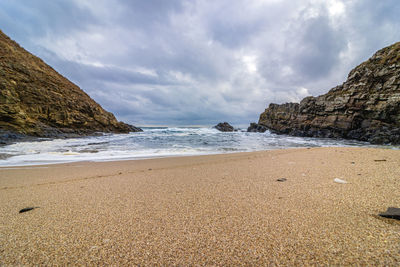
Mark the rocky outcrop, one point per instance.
(256, 128)
(35, 100)
(224, 127)
(366, 107)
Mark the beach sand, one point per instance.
(206, 210)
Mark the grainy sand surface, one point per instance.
(207, 210)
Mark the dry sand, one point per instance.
(207, 210)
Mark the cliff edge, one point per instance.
(366, 107)
(36, 100)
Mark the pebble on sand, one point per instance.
(340, 181)
(27, 209)
(392, 213)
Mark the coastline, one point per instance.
(224, 209)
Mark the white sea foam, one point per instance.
(154, 142)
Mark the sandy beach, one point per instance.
(205, 210)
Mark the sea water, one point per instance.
(153, 143)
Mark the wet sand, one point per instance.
(205, 210)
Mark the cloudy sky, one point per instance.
(198, 62)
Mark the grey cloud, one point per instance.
(310, 50)
(31, 19)
(148, 13)
(375, 24)
(85, 75)
(318, 48)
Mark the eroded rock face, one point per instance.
(366, 107)
(224, 127)
(35, 100)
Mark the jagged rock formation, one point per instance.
(224, 127)
(256, 128)
(366, 107)
(35, 100)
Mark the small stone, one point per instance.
(27, 209)
(281, 180)
(150, 169)
(392, 213)
(340, 181)
(224, 127)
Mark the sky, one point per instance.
(200, 62)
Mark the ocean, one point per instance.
(154, 142)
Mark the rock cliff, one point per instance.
(366, 107)
(35, 100)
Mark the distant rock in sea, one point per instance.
(256, 128)
(366, 107)
(224, 127)
(35, 100)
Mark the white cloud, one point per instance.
(336, 7)
(250, 62)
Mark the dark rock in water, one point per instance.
(256, 128)
(224, 127)
(27, 209)
(135, 129)
(8, 137)
(5, 156)
(281, 180)
(98, 143)
(35, 100)
(89, 151)
(392, 213)
(366, 107)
